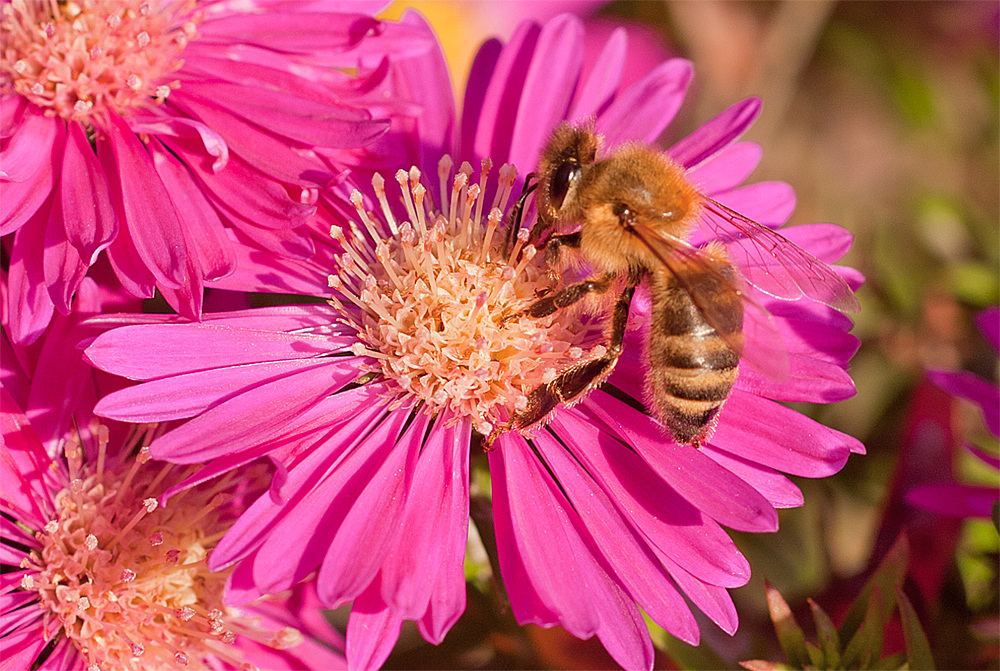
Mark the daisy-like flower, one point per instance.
(171, 134)
(958, 499)
(98, 574)
(370, 406)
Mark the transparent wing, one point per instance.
(772, 263)
(766, 351)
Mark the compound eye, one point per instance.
(567, 173)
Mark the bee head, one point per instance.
(569, 150)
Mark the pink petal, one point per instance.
(715, 135)
(187, 395)
(171, 349)
(974, 389)
(827, 242)
(727, 169)
(87, 213)
(372, 630)
(548, 87)
(191, 133)
(712, 600)
(430, 545)
(642, 111)
(130, 269)
(145, 207)
(35, 141)
(603, 81)
(561, 560)
(370, 525)
(706, 485)
(251, 418)
(202, 224)
(629, 557)
(272, 271)
(480, 79)
(671, 524)
(21, 648)
(288, 32)
(29, 302)
(954, 500)
(24, 467)
(776, 488)
(768, 203)
(62, 266)
(359, 409)
(495, 118)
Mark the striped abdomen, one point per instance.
(691, 369)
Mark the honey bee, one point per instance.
(636, 211)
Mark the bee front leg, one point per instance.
(574, 382)
(517, 212)
(554, 247)
(562, 298)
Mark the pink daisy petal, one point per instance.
(602, 83)
(250, 418)
(642, 111)
(476, 90)
(31, 306)
(955, 500)
(183, 348)
(62, 266)
(671, 524)
(712, 600)
(779, 442)
(548, 88)
(988, 322)
(768, 203)
(372, 630)
(629, 557)
(88, 216)
(727, 169)
(974, 389)
(694, 476)
(775, 487)
(24, 157)
(21, 648)
(561, 560)
(715, 135)
(433, 528)
(23, 466)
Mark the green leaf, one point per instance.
(918, 649)
(816, 657)
(826, 632)
(790, 635)
(891, 663)
(865, 646)
(887, 577)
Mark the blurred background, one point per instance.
(884, 118)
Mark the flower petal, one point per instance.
(548, 87)
(974, 389)
(715, 135)
(954, 500)
(727, 169)
(604, 79)
(30, 307)
(372, 630)
(87, 213)
(706, 485)
(642, 111)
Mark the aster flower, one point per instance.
(370, 406)
(98, 574)
(957, 499)
(171, 134)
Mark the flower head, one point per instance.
(102, 575)
(370, 406)
(966, 500)
(170, 134)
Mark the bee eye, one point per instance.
(567, 173)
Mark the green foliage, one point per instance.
(863, 627)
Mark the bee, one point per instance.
(635, 212)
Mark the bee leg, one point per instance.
(553, 249)
(579, 379)
(562, 298)
(516, 212)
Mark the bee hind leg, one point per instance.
(574, 382)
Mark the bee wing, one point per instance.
(767, 353)
(772, 263)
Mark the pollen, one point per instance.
(83, 58)
(126, 580)
(437, 297)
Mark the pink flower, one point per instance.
(102, 576)
(172, 135)
(965, 500)
(370, 406)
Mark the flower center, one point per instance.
(82, 58)
(127, 580)
(437, 303)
